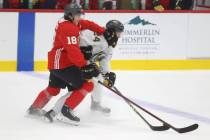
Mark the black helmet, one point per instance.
(72, 9)
(115, 25)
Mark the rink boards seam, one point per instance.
(147, 65)
(128, 65)
(8, 66)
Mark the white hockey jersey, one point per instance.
(102, 52)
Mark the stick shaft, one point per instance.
(127, 99)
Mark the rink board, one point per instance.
(147, 65)
(152, 41)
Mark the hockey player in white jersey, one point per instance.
(95, 49)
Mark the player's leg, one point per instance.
(53, 89)
(51, 114)
(75, 99)
(42, 99)
(74, 79)
(59, 104)
(96, 98)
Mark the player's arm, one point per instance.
(109, 77)
(86, 24)
(104, 65)
(87, 51)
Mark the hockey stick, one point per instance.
(155, 128)
(179, 130)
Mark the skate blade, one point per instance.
(40, 117)
(41, 113)
(62, 119)
(44, 118)
(36, 117)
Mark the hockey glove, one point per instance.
(109, 79)
(90, 71)
(87, 51)
(98, 57)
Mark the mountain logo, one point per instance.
(137, 20)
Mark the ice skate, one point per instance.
(96, 106)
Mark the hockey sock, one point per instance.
(78, 95)
(44, 97)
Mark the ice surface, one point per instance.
(179, 97)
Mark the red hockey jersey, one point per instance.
(65, 51)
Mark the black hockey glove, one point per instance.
(111, 38)
(87, 51)
(109, 79)
(90, 71)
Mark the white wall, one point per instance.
(182, 35)
(199, 36)
(8, 36)
(44, 33)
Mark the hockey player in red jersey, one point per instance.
(96, 48)
(67, 65)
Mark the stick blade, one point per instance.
(160, 128)
(188, 129)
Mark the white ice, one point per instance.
(179, 97)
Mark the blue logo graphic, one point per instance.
(137, 20)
